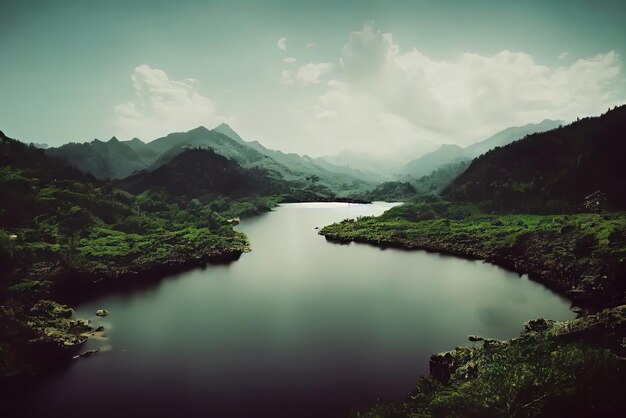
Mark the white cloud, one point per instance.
(563, 55)
(311, 45)
(306, 75)
(162, 105)
(286, 77)
(282, 44)
(310, 73)
(289, 60)
(397, 101)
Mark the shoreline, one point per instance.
(533, 260)
(499, 261)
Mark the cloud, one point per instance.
(310, 73)
(563, 55)
(282, 44)
(415, 102)
(289, 60)
(311, 45)
(286, 77)
(162, 105)
(306, 75)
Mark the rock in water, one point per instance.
(102, 312)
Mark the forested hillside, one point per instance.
(551, 171)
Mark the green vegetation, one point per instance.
(450, 155)
(63, 233)
(582, 255)
(535, 206)
(550, 172)
(116, 159)
(562, 369)
(35, 337)
(390, 191)
(105, 160)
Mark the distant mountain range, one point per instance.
(346, 174)
(380, 168)
(116, 159)
(447, 154)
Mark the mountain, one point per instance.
(335, 177)
(225, 129)
(294, 166)
(425, 164)
(204, 174)
(439, 178)
(511, 134)
(118, 159)
(143, 151)
(173, 144)
(380, 167)
(551, 171)
(447, 154)
(111, 159)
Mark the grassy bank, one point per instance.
(555, 369)
(581, 255)
(562, 369)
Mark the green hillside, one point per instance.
(551, 171)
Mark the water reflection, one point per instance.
(298, 327)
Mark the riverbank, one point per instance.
(558, 369)
(580, 256)
(570, 368)
(27, 346)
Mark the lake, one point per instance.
(297, 327)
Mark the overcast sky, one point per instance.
(316, 77)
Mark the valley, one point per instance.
(83, 223)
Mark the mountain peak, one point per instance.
(225, 129)
(114, 139)
(200, 129)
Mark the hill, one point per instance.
(111, 159)
(204, 174)
(339, 178)
(427, 163)
(64, 234)
(447, 154)
(383, 168)
(511, 134)
(118, 159)
(551, 171)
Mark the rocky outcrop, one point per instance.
(40, 336)
(102, 312)
(557, 369)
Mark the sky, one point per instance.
(389, 78)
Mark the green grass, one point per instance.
(571, 368)
(583, 255)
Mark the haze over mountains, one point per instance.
(346, 173)
(116, 159)
(450, 153)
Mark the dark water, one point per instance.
(298, 327)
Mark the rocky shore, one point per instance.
(41, 335)
(557, 369)
(568, 261)
(573, 368)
